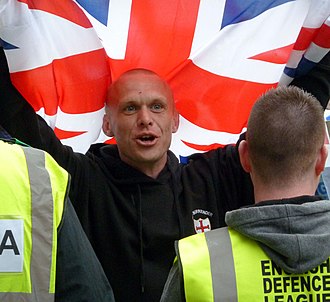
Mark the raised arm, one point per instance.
(19, 118)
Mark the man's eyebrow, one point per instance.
(161, 98)
(127, 101)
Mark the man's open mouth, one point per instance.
(147, 138)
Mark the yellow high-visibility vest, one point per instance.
(223, 265)
(33, 189)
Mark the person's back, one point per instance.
(279, 248)
(44, 253)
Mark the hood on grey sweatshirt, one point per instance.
(296, 236)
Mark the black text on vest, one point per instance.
(8, 243)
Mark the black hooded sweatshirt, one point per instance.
(132, 220)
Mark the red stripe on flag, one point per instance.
(305, 37)
(214, 102)
(111, 141)
(160, 36)
(276, 56)
(77, 84)
(38, 87)
(65, 9)
(63, 134)
(202, 148)
(323, 37)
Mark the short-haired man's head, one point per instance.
(285, 131)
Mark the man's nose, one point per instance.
(144, 118)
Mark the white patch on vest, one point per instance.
(11, 245)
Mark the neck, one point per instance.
(262, 193)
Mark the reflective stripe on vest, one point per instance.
(36, 281)
(194, 255)
(224, 265)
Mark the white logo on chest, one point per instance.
(201, 219)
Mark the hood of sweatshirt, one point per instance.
(294, 233)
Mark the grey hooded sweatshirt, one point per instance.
(294, 233)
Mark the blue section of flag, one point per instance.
(97, 8)
(304, 66)
(290, 72)
(183, 159)
(237, 10)
(324, 183)
(7, 45)
(302, 69)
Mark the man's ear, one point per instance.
(106, 126)
(175, 123)
(243, 152)
(321, 160)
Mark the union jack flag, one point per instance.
(217, 55)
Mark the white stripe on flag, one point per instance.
(275, 28)
(114, 35)
(42, 37)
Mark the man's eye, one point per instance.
(130, 108)
(157, 107)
